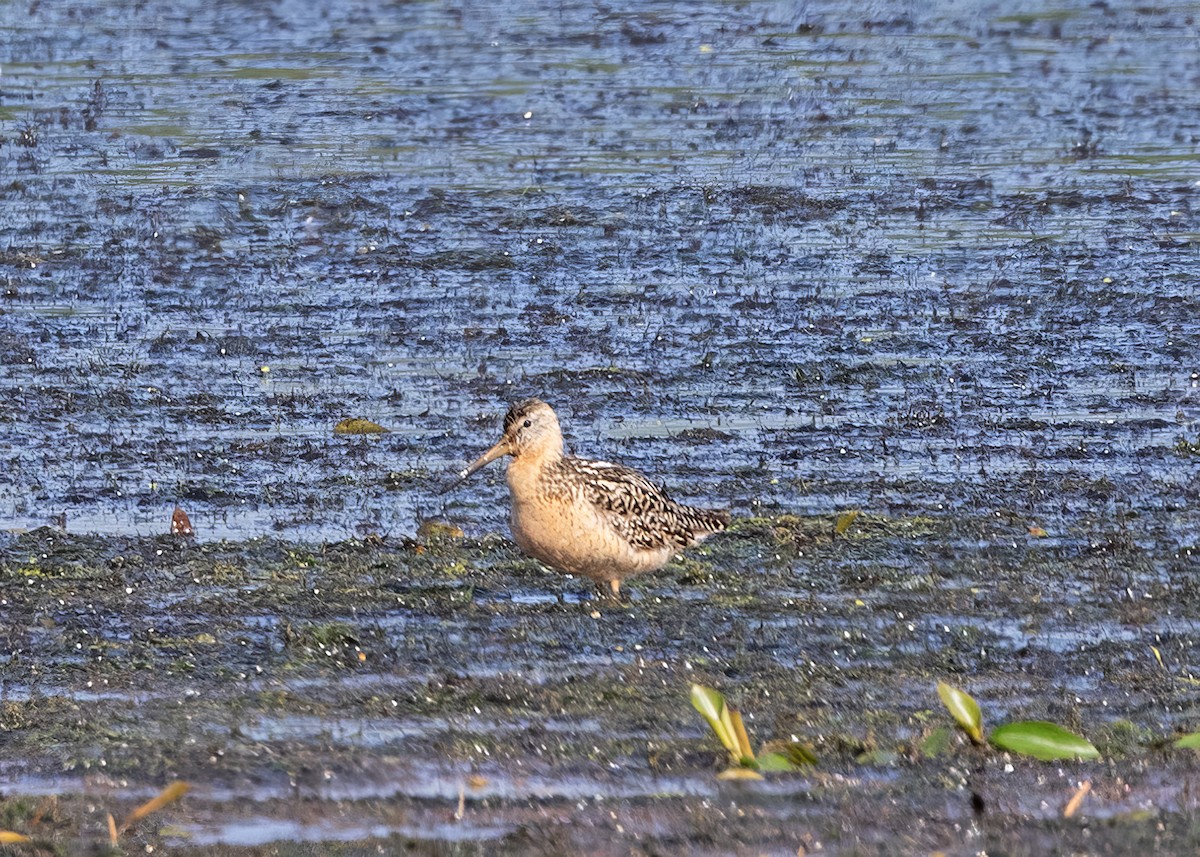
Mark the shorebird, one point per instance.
(591, 518)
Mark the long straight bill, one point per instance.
(498, 451)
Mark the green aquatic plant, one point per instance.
(1187, 742)
(964, 709)
(727, 723)
(1042, 740)
(1037, 738)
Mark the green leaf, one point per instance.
(711, 705)
(964, 709)
(774, 762)
(785, 756)
(1042, 740)
(879, 756)
(1187, 742)
(936, 742)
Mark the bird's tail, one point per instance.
(705, 522)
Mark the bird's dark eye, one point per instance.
(528, 423)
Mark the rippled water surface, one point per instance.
(903, 256)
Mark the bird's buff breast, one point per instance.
(560, 528)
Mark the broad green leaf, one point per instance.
(1042, 740)
(844, 521)
(711, 705)
(1187, 742)
(774, 762)
(964, 709)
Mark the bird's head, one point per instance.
(530, 429)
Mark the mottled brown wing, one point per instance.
(640, 510)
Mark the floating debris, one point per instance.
(358, 426)
(431, 530)
(181, 524)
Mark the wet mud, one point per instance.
(935, 264)
(454, 696)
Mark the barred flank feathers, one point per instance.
(637, 508)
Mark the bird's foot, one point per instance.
(612, 593)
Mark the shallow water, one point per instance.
(910, 258)
(933, 261)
